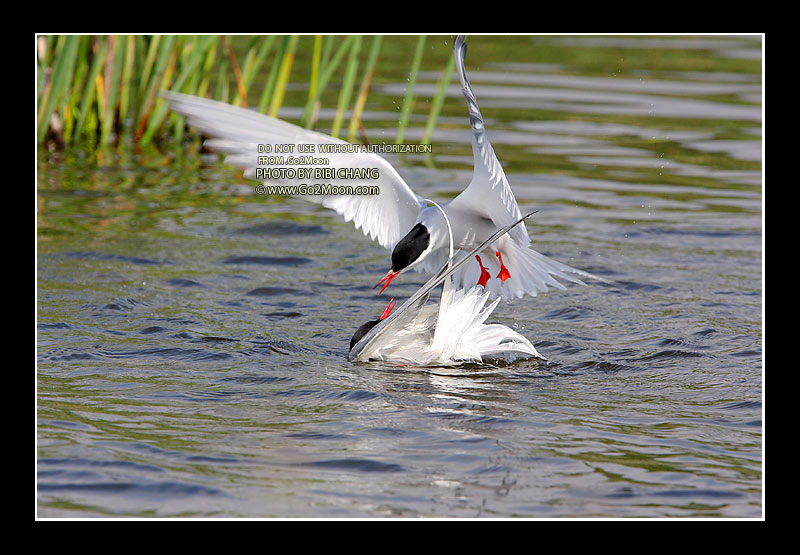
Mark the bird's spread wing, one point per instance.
(237, 132)
(489, 191)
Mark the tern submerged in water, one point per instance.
(451, 333)
(398, 218)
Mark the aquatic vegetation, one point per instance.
(101, 90)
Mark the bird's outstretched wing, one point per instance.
(237, 132)
(488, 192)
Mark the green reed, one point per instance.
(438, 101)
(408, 101)
(103, 90)
(361, 100)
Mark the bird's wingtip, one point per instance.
(459, 44)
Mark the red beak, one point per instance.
(390, 275)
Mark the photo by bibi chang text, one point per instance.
(271, 174)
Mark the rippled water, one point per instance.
(192, 336)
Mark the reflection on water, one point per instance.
(593, 101)
(192, 335)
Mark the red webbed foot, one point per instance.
(485, 275)
(504, 273)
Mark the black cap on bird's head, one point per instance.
(365, 327)
(406, 252)
(361, 332)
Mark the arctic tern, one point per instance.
(398, 218)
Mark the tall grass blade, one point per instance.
(347, 86)
(192, 61)
(89, 89)
(59, 83)
(127, 76)
(255, 59)
(241, 97)
(221, 92)
(313, 86)
(283, 77)
(438, 101)
(70, 106)
(189, 50)
(196, 46)
(408, 101)
(112, 82)
(266, 94)
(162, 63)
(327, 69)
(208, 66)
(156, 105)
(358, 109)
(149, 61)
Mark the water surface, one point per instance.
(192, 335)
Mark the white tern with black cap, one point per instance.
(399, 219)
